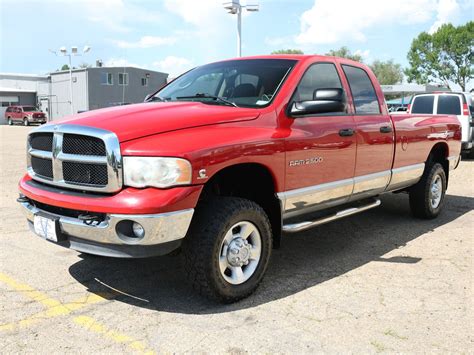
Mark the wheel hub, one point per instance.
(238, 252)
(436, 191)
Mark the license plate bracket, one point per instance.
(47, 227)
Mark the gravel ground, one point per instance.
(376, 282)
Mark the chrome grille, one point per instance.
(83, 145)
(76, 157)
(42, 167)
(85, 174)
(42, 141)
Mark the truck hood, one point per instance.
(139, 120)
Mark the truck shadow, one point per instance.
(305, 260)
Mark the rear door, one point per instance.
(320, 150)
(374, 134)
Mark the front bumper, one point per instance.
(163, 232)
(37, 119)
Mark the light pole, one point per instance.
(235, 8)
(65, 53)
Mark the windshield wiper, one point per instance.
(207, 96)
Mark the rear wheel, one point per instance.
(227, 250)
(26, 122)
(427, 196)
(470, 155)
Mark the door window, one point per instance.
(318, 76)
(363, 92)
(423, 104)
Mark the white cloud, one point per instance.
(119, 62)
(448, 10)
(146, 42)
(174, 66)
(115, 15)
(199, 13)
(365, 54)
(333, 21)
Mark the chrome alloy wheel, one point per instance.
(240, 253)
(436, 191)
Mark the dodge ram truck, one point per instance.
(223, 160)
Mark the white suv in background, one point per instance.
(448, 103)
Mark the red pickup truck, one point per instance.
(228, 156)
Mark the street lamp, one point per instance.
(235, 8)
(63, 51)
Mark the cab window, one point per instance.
(362, 89)
(318, 76)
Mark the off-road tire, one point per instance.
(420, 203)
(201, 248)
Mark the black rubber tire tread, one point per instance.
(470, 155)
(420, 193)
(201, 248)
(26, 122)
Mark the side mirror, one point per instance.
(324, 101)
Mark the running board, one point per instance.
(301, 226)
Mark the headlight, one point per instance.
(156, 172)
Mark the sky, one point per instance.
(176, 35)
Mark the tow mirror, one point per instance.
(324, 101)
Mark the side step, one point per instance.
(301, 226)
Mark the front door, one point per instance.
(320, 150)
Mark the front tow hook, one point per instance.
(22, 199)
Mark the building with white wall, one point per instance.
(92, 88)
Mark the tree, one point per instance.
(288, 51)
(387, 73)
(345, 52)
(85, 65)
(445, 56)
(65, 67)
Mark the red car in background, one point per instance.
(25, 115)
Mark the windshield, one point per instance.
(29, 108)
(247, 83)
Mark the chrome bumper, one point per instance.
(163, 232)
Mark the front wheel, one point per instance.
(427, 196)
(228, 247)
(26, 122)
(10, 122)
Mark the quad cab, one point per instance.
(228, 156)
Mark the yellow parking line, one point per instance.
(55, 308)
(30, 292)
(56, 311)
(92, 325)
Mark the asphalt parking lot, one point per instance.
(375, 282)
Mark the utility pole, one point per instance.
(235, 8)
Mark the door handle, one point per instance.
(385, 129)
(346, 132)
